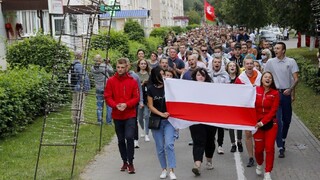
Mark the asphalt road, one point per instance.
(302, 160)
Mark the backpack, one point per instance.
(73, 76)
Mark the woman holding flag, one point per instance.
(202, 134)
(164, 137)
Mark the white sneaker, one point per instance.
(259, 170)
(172, 175)
(267, 176)
(220, 150)
(163, 174)
(136, 144)
(142, 135)
(146, 138)
(209, 165)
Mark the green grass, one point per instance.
(307, 102)
(19, 153)
(306, 106)
(305, 52)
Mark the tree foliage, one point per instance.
(134, 30)
(118, 41)
(194, 17)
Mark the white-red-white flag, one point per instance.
(222, 105)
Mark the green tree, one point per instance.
(295, 14)
(134, 30)
(250, 13)
(118, 41)
(194, 17)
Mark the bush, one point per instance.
(192, 26)
(160, 32)
(23, 95)
(134, 30)
(40, 50)
(152, 44)
(134, 46)
(114, 55)
(118, 41)
(178, 29)
(308, 73)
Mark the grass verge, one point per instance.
(307, 102)
(306, 106)
(19, 153)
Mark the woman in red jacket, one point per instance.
(267, 102)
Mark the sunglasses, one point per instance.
(204, 50)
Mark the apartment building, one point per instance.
(150, 13)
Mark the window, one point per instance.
(31, 23)
(57, 23)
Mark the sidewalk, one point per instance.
(302, 160)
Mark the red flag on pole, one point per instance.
(209, 10)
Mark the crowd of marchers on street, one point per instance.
(209, 54)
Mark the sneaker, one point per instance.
(267, 176)
(220, 150)
(136, 144)
(163, 174)
(281, 155)
(259, 170)
(124, 167)
(251, 162)
(233, 148)
(240, 147)
(190, 143)
(172, 175)
(196, 171)
(209, 165)
(146, 138)
(131, 169)
(142, 135)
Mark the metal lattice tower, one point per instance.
(59, 132)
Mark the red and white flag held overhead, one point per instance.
(209, 10)
(222, 105)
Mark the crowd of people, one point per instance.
(209, 54)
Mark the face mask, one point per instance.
(263, 56)
(217, 55)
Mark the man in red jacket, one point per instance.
(122, 95)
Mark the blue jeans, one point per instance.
(284, 114)
(164, 139)
(125, 133)
(144, 113)
(100, 105)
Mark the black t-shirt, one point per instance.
(157, 95)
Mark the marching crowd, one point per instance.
(209, 54)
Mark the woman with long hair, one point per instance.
(143, 72)
(267, 103)
(202, 135)
(164, 137)
(233, 69)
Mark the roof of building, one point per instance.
(143, 13)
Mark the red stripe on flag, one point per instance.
(205, 113)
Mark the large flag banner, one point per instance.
(222, 105)
(209, 11)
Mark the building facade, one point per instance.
(160, 13)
